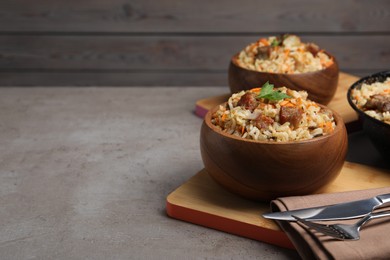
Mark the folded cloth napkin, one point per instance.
(374, 240)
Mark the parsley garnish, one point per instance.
(268, 92)
(275, 43)
(278, 41)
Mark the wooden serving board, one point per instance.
(202, 201)
(339, 102)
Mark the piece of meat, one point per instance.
(248, 101)
(290, 114)
(263, 52)
(378, 102)
(313, 48)
(263, 122)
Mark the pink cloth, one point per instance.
(374, 241)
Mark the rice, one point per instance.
(374, 99)
(250, 115)
(283, 54)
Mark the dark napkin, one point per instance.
(374, 240)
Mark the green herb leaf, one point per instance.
(267, 92)
(266, 89)
(277, 95)
(275, 43)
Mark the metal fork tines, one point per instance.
(342, 231)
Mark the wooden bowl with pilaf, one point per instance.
(265, 170)
(320, 84)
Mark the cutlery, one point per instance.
(347, 210)
(343, 231)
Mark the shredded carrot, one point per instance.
(286, 52)
(255, 90)
(223, 117)
(328, 127)
(284, 102)
(328, 63)
(242, 129)
(299, 102)
(264, 41)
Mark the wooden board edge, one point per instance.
(202, 106)
(200, 111)
(274, 237)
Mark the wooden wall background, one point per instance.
(173, 42)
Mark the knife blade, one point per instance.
(347, 210)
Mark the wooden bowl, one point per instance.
(377, 131)
(321, 85)
(264, 170)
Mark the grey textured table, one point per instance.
(84, 174)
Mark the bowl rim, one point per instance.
(340, 126)
(358, 84)
(233, 61)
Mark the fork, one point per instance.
(342, 231)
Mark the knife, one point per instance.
(347, 210)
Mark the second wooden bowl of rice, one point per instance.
(285, 61)
(246, 151)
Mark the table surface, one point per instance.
(85, 171)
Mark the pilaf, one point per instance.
(374, 99)
(279, 114)
(283, 54)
